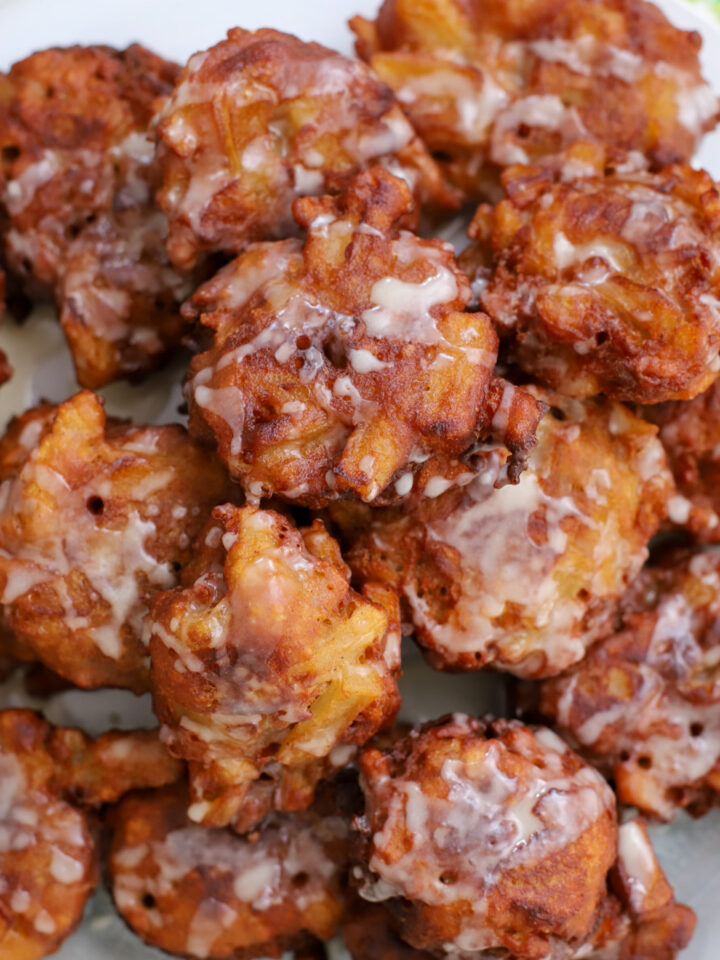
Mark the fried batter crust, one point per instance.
(339, 367)
(485, 836)
(643, 705)
(605, 277)
(267, 668)
(262, 118)
(201, 892)
(525, 577)
(95, 518)
(78, 192)
(48, 861)
(488, 84)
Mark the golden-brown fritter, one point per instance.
(95, 518)
(201, 892)
(606, 277)
(346, 366)
(79, 169)
(690, 433)
(523, 578)
(262, 118)
(48, 862)
(267, 668)
(119, 299)
(487, 83)
(100, 771)
(644, 704)
(485, 836)
(638, 920)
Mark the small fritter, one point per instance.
(638, 920)
(95, 518)
(201, 892)
(48, 862)
(485, 836)
(523, 578)
(690, 433)
(342, 366)
(262, 118)
(605, 278)
(644, 705)
(267, 668)
(78, 192)
(488, 83)
(119, 299)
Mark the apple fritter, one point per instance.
(643, 705)
(205, 892)
(690, 433)
(345, 366)
(638, 920)
(267, 668)
(488, 83)
(95, 518)
(523, 578)
(262, 118)
(484, 836)
(605, 277)
(48, 860)
(79, 177)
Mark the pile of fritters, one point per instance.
(508, 457)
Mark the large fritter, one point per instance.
(487, 83)
(48, 862)
(690, 433)
(267, 667)
(262, 118)
(78, 194)
(346, 365)
(638, 920)
(483, 837)
(604, 277)
(95, 518)
(643, 705)
(523, 577)
(207, 893)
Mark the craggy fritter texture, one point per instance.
(523, 578)
(78, 195)
(605, 278)
(267, 668)
(488, 83)
(644, 704)
(339, 367)
(638, 920)
(201, 892)
(262, 118)
(690, 433)
(48, 863)
(95, 517)
(484, 836)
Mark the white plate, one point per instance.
(689, 850)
